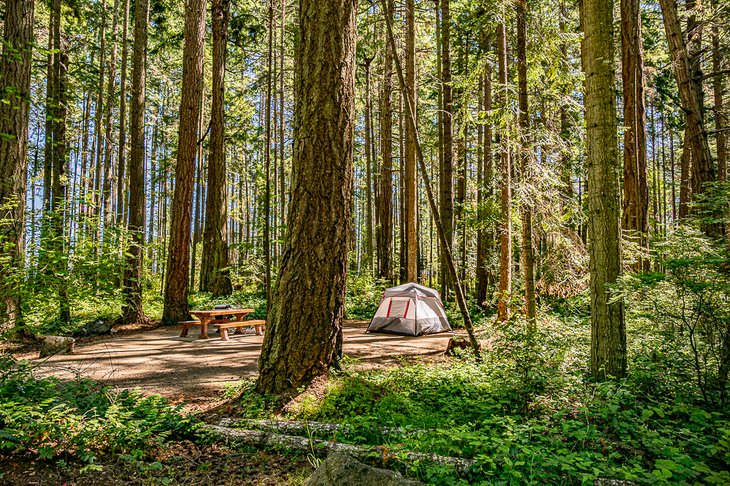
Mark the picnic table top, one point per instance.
(221, 312)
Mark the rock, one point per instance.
(51, 345)
(342, 470)
(94, 328)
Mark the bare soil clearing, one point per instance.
(195, 371)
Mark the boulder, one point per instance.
(51, 345)
(342, 470)
(95, 328)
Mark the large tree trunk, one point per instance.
(410, 196)
(608, 331)
(304, 332)
(132, 308)
(178, 261)
(384, 230)
(689, 93)
(446, 176)
(15, 65)
(505, 247)
(528, 258)
(214, 274)
(636, 189)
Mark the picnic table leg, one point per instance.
(258, 330)
(204, 327)
(239, 318)
(184, 332)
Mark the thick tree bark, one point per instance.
(214, 274)
(608, 331)
(304, 329)
(446, 170)
(132, 308)
(689, 89)
(505, 247)
(636, 189)
(410, 196)
(178, 261)
(15, 66)
(528, 257)
(384, 230)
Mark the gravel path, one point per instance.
(196, 370)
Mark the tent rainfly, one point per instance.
(411, 310)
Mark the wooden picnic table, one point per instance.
(219, 315)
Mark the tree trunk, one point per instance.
(384, 230)
(689, 89)
(215, 275)
(267, 157)
(636, 189)
(608, 331)
(484, 235)
(505, 247)
(528, 258)
(121, 158)
(59, 152)
(108, 111)
(446, 177)
(178, 261)
(304, 330)
(718, 63)
(369, 244)
(15, 67)
(411, 201)
(132, 308)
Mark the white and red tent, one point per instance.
(410, 309)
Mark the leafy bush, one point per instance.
(81, 419)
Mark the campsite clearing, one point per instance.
(195, 371)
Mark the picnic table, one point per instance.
(223, 318)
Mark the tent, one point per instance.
(410, 309)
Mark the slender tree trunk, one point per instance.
(528, 257)
(505, 248)
(98, 129)
(411, 200)
(608, 331)
(446, 176)
(215, 276)
(109, 109)
(304, 333)
(485, 189)
(132, 310)
(636, 189)
(121, 157)
(369, 244)
(59, 179)
(15, 67)
(178, 261)
(384, 229)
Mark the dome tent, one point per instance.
(411, 310)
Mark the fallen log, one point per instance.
(298, 427)
(260, 438)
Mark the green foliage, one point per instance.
(529, 414)
(363, 296)
(81, 419)
(687, 299)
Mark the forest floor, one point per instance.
(196, 371)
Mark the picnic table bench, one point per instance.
(224, 319)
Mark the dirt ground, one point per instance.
(195, 371)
